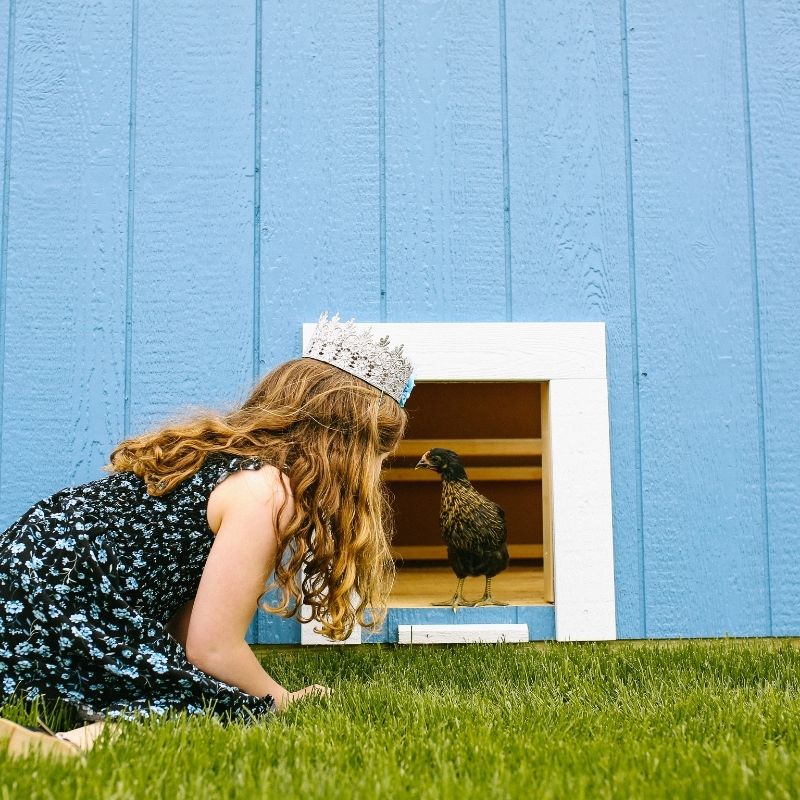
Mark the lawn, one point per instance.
(703, 719)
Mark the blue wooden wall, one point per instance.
(184, 183)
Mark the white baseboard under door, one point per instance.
(461, 634)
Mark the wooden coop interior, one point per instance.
(500, 430)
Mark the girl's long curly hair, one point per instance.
(326, 429)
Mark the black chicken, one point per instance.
(473, 528)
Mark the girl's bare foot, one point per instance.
(84, 738)
(21, 741)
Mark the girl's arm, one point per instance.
(244, 509)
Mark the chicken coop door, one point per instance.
(496, 428)
(526, 407)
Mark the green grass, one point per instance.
(695, 720)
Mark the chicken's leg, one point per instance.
(457, 599)
(487, 599)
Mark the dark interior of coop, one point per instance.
(497, 429)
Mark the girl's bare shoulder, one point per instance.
(251, 491)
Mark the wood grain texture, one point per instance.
(547, 496)
(705, 565)
(66, 248)
(472, 447)
(432, 552)
(569, 231)
(269, 628)
(444, 165)
(319, 168)
(6, 106)
(773, 59)
(412, 475)
(193, 216)
(419, 587)
(5, 76)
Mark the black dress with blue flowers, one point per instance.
(88, 579)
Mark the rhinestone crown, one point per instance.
(358, 353)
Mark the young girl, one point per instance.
(132, 594)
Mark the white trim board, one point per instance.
(571, 356)
(461, 634)
(310, 636)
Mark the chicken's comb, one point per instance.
(357, 352)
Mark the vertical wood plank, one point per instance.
(569, 219)
(319, 165)
(705, 565)
(66, 247)
(5, 77)
(547, 496)
(445, 252)
(771, 36)
(319, 169)
(6, 105)
(583, 549)
(193, 215)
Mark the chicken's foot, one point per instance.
(487, 599)
(457, 599)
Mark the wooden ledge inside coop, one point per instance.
(418, 587)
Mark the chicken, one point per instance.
(473, 528)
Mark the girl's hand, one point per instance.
(314, 689)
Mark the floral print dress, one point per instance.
(88, 579)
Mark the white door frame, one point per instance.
(571, 358)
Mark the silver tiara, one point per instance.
(357, 352)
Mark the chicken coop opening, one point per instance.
(499, 431)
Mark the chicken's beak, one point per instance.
(423, 462)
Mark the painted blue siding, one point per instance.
(444, 164)
(569, 223)
(7, 37)
(184, 184)
(63, 245)
(771, 35)
(319, 168)
(192, 244)
(703, 537)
